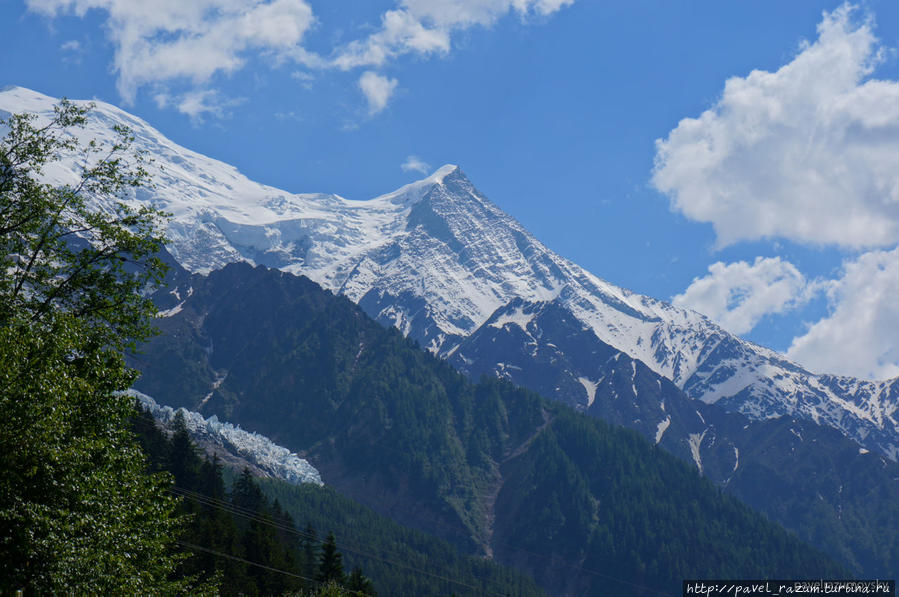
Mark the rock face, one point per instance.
(451, 270)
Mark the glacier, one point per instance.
(277, 461)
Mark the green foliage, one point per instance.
(833, 496)
(243, 540)
(358, 583)
(58, 254)
(76, 507)
(631, 514)
(78, 511)
(400, 561)
(330, 567)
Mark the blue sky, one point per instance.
(774, 207)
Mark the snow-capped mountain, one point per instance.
(443, 264)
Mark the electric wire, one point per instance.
(234, 509)
(225, 506)
(214, 552)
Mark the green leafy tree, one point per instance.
(79, 512)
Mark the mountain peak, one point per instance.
(442, 172)
(414, 191)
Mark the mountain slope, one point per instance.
(400, 561)
(436, 259)
(246, 334)
(491, 468)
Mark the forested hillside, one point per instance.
(266, 537)
(494, 469)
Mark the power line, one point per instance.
(191, 546)
(358, 551)
(233, 509)
(258, 565)
(550, 558)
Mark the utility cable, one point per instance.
(222, 505)
(191, 546)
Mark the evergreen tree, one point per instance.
(245, 494)
(330, 566)
(309, 551)
(183, 454)
(357, 582)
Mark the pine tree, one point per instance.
(360, 584)
(309, 552)
(330, 566)
(182, 454)
(245, 494)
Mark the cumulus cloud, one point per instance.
(806, 153)
(377, 89)
(858, 337)
(184, 44)
(738, 295)
(425, 27)
(169, 40)
(414, 163)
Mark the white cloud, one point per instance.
(306, 79)
(414, 163)
(167, 40)
(859, 337)
(73, 51)
(201, 103)
(425, 27)
(465, 13)
(807, 152)
(181, 46)
(738, 295)
(400, 33)
(377, 89)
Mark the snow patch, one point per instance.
(215, 385)
(590, 387)
(695, 441)
(634, 377)
(517, 317)
(170, 312)
(662, 426)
